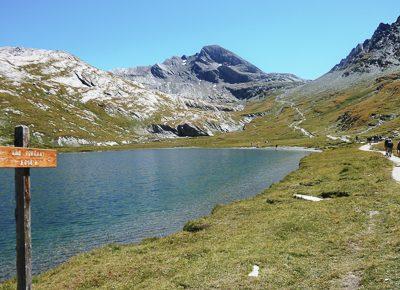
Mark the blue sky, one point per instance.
(303, 37)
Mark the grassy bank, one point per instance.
(351, 239)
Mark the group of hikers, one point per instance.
(389, 147)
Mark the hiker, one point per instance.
(398, 149)
(385, 145)
(389, 147)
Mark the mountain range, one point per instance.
(214, 74)
(67, 102)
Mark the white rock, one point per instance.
(307, 197)
(255, 271)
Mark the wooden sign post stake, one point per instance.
(23, 214)
(22, 159)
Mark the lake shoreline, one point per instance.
(66, 150)
(235, 200)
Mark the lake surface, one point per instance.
(92, 199)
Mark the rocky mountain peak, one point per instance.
(214, 74)
(380, 52)
(222, 56)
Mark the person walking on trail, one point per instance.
(389, 149)
(385, 145)
(398, 149)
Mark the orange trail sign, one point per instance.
(20, 157)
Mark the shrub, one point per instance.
(195, 226)
(272, 201)
(332, 194)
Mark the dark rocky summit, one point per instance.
(379, 53)
(218, 65)
(215, 74)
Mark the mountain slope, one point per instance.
(360, 96)
(68, 102)
(362, 92)
(214, 74)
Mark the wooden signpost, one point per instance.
(22, 159)
(19, 157)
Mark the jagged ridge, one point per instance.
(380, 52)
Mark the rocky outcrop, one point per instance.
(182, 130)
(163, 129)
(189, 130)
(380, 52)
(346, 121)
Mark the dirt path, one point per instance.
(342, 138)
(296, 124)
(394, 159)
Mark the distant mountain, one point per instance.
(374, 58)
(214, 74)
(381, 52)
(66, 101)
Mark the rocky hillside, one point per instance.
(360, 96)
(66, 101)
(214, 74)
(366, 95)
